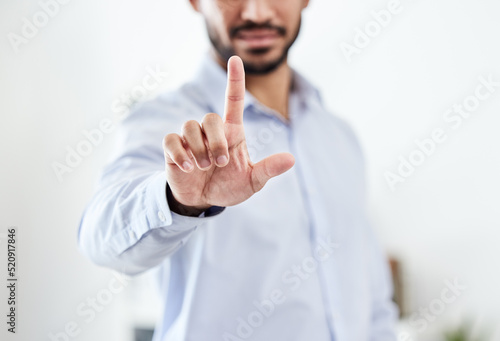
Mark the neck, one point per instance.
(272, 89)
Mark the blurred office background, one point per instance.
(441, 225)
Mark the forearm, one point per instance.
(128, 226)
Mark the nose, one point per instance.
(258, 11)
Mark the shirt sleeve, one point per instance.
(384, 311)
(127, 225)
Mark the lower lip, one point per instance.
(256, 42)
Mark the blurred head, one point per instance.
(259, 31)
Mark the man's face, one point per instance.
(259, 31)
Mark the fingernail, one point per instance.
(221, 160)
(187, 165)
(204, 163)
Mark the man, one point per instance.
(294, 260)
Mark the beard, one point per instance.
(226, 51)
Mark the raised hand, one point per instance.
(208, 164)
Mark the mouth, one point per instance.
(258, 38)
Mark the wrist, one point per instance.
(177, 207)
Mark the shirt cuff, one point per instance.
(213, 211)
(154, 213)
(159, 214)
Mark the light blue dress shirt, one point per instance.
(296, 262)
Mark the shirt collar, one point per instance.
(211, 80)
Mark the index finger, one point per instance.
(235, 91)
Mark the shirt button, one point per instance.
(131, 235)
(161, 215)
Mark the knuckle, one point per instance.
(211, 118)
(190, 126)
(169, 140)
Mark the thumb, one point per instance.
(270, 167)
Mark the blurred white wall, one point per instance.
(442, 221)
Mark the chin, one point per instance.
(259, 62)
